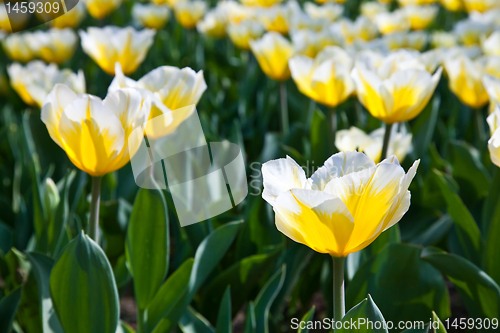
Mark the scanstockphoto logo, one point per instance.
(19, 12)
(205, 179)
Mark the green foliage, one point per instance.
(364, 312)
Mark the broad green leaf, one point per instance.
(392, 235)
(83, 288)
(121, 273)
(41, 266)
(250, 320)
(265, 299)
(308, 317)
(207, 256)
(242, 276)
(224, 319)
(397, 275)
(491, 207)
(8, 309)
(492, 248)
(193, 322)
(148, 244)
(467, 229)
(363, 313)
(479, 292)
(320, 143)
(435, 232)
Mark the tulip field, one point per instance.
(249, 166)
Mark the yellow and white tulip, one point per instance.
(492, 85)
(493, 119)
(325, 79)
(416, 40)
(34, 81)
(99, 9)
(443, 39)
(396, 90)
(420, 16)
(273, 52)
(54, 45)
(213, 24)
(396, 21)
(188, 13)
(360, 30)
(371, 9)
(471, 32)
(71, 19)
(109, 45)
(343, 207)
(150, 15)
(17, 49)
(241, 34)
(452, 5)
(491, 45)
(480, 5)
(329, 12)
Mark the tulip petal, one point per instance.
(340, 165)
(494, 147)
(280, 176)
(314, 218)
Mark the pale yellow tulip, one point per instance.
(71, 19)
(213, 24)
(273, 52)
(416, 40)
(371, 9)
(471, 32)
(325, 79)
(188, 13)
(492, 85)
(343, 207)
(34, 81)
(480, 5)
(99, 9)
(491, 45)
(396, 21)
(241, 34)
(263, 3)
(17, 49)
(493, 119)
(420, 16)
(330, 11)
(275, 18)
(309, 42)
(360, 30)
(397, 89)
(494, 147)
(17, 22)
(109, 45)
(452, 5)
(54, 45)
(443, 39)
(150, 15)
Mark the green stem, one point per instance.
(332, 125)
(284, 108)
(93, 226)
(338, 288)
(481, 131)
(141, 325)
(387, 139)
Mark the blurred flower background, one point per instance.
(417, 79)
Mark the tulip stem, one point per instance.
(387, 139)
(338, 288)
(93, 225)
(284, 108)
(481, 132)
(332, 125)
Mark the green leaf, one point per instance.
(193, 322)
(467, 229)
(492, 248)
(147, 247)
(364, 312)
(479, 292)
(403, 286)
(42, 266)
(250, 320)
(320, 145)
(8, 309)
(308, 317)
(83, 288)
(224, 319)
(491, 207)
(207, 256)
(437, 325)
(5, 238)
(124, 328)
(265, 299)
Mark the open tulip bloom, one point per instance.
(343, 207)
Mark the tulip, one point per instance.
(71, 19)
(395, 21)
(309, 43)
(491, 16)
(188, 13)
(420, 16)
(276, 18)
(273, 52)
(395, 91)
(491, 45)
(325, 79)
(465, 80)
(416, 40)
(405, 3)
(34, 81)
(54, 45)
(241, 34)
(452, 5)
(362, 29)
(151, 16)
(17, 49)
(371, 9)
(263, 3)
(99, 9)
(111, 44)
(341, 209)
(17, 21)
(301, 21)
(174, 88)
(493, 119)
(492, 85)
(371, 144)
(329, 12)
(494, 148)
(480, 5)
(213, 24)
(471, 32)
(443, 39)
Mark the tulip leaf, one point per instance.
(8, 309)
(492, 248)
(491, 207)
(479, 292)
(83, 288)
(266, 298)
(250, 320)
(193, 322)
(367, 318)
(308, 317)
(224, 319)
(5, 238)
(207, 256)
(42, 266)
(320, 145)
(397, 275)
(147, 247)
(467, 229)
